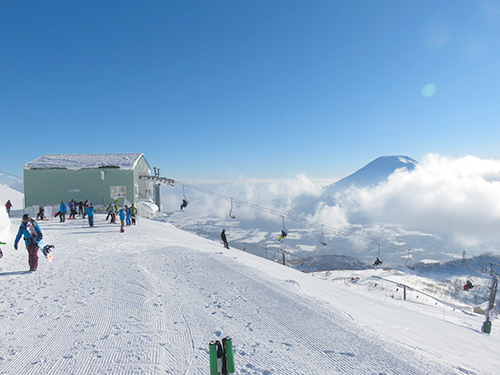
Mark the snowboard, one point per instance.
(47, 253)
(36, 236)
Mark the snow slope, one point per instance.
(150, 300)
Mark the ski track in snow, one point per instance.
(133, 303)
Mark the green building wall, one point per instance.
(51, 186)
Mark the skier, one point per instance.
(377, 262)
(184, 204)
(224, 239)
(8, 206)
(30, 242)
(283, 235)
(133, 212)
(90, 212)
(122, 218)
(62, 212)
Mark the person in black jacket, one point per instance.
(224, 239)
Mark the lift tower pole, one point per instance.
(157, 181)
(491, 305)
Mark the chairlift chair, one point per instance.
(322, 237)
(185, 201)
(469, 284)
(378, 259)
(283, 231)
(409, 262)
(231, 211)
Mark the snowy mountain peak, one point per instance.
(373, 173)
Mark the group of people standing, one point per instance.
(84, 209)
(127, 215)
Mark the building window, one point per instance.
(118, 191)
(136, 190)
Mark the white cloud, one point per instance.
(457, 197)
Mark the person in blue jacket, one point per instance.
(122, 218)
(89, 211)
(32, 235)
(128, 213)
(62, 212)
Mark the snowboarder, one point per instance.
(121, 213)
(224, 239)
(90, 212)
(283, 235)
(8, 206)
(184, 204)
(30, 242)
(62, 212)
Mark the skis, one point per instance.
(1, 253)
(221, 357)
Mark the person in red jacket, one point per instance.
(8, 206)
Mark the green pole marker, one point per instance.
(213, 346)
(228, 348)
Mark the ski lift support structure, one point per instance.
(157, 181)
(486, 328)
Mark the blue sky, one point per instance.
(260, 89)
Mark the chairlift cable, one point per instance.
(295, 218)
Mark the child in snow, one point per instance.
(32, 234)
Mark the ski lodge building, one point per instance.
(100, 178)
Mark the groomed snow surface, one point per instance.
(149, 301)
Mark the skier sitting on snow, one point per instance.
(30, 242)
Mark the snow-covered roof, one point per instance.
(75, 162)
